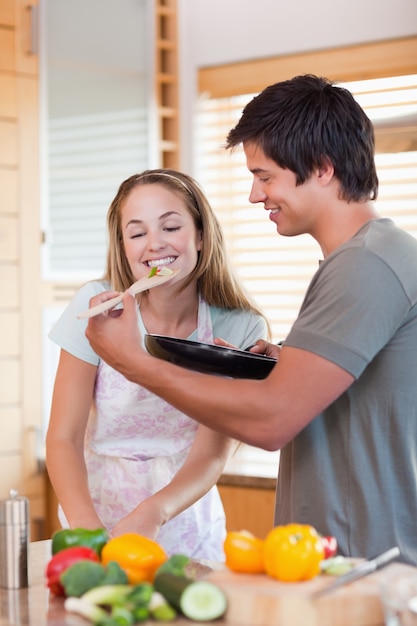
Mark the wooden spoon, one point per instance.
(140, 285)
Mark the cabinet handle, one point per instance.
(33, 29)
(39, 449)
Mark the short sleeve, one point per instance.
(69, 331)
(354, 305)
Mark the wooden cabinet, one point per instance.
(248, 508)
(20, 354)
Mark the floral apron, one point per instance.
(135, 444)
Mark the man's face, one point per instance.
(291, 207)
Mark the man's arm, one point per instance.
(265, 413)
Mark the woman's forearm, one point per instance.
(71, 402)
(200, 472)
(68, 476)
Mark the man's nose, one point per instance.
(256, 194)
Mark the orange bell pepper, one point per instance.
(137, 555)
(244, 552)
(293, 552)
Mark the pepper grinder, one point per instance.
(14, 541)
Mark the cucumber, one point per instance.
(199, 600)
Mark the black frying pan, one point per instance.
(208, 358)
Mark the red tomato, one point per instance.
(62, 561)
(329, 545)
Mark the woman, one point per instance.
(118, 456)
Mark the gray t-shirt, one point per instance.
(352, 472)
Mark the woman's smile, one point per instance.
(158, 262)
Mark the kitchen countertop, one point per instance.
(35, 606)
(254, 600)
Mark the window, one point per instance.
(96, 124)
(276, 270)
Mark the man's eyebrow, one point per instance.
(258, 170)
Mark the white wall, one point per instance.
(222, 31)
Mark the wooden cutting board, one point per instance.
(258, 600)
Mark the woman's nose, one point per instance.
(156, 242)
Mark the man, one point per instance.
(341, 403)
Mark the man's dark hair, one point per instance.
(302, 122)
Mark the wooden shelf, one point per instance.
(166, 82)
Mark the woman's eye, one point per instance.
(172, 229)
(136, 235)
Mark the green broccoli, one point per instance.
(81, 577)
(175, 565)
(85, 575)
(114, 575)
(140, 594)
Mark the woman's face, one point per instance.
(158, 231)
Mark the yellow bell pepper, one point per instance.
(244, 552)
(137, 555)
(293, 552)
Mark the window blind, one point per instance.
(89, 156)
(277, 270)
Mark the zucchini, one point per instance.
(199, 600)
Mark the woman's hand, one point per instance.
(145, 519)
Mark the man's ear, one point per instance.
(325, 170)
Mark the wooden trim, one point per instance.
(374, 60)
(166, 82)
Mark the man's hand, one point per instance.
(115, 335)
(260, 347)
(268, 349)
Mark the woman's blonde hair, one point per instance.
(216, 281)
